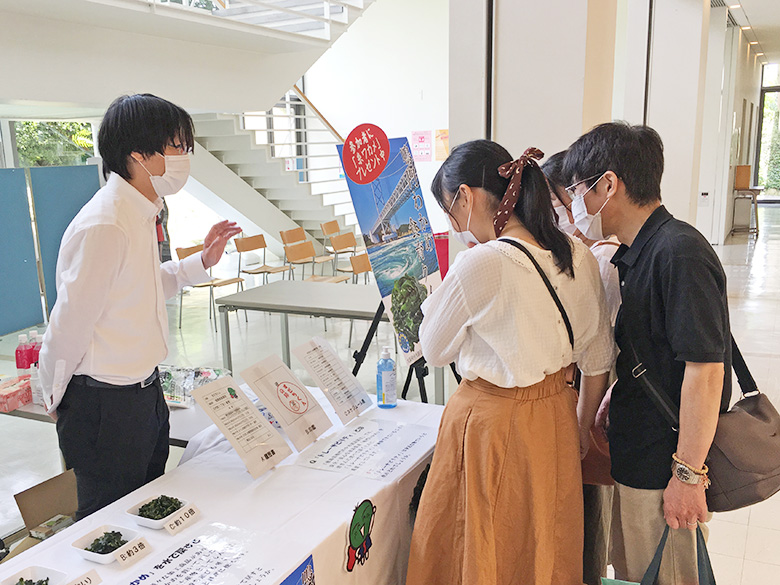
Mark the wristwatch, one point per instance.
(686, 475)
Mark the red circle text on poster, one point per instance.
(365, 153)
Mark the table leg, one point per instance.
(438, 385)
(285, 339)
(227, 357)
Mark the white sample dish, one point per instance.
(148, 522)
(82, 543)
(37, 574)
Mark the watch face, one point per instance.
(684, 474)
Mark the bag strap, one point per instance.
(547, 283)
(704, 566)
(662, 401)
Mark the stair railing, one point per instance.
(296, 131)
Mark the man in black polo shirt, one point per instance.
(675, 315)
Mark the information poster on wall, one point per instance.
(389, 205)
(441, 145)
(341, 388)
(292, 405)
(422, 148)
(259, 445)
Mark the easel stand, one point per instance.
(418, 368)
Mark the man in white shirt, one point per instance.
(109, 327)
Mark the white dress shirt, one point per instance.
(494, 316)
(110, 320)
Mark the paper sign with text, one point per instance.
(376, 449)
(132, 552)
(259, 445)
(183, 517)
(91, 578)
(292, 405)
(341, 388)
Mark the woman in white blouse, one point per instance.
(503, 500)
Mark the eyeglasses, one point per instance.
(570, 189)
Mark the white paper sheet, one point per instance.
(331, 374)
(258, 444)
(377, 449)
(292, 405)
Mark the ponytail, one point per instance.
(477, 163)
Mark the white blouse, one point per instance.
(494, 316)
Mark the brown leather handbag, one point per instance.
(744, 460)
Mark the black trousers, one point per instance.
(114, 439)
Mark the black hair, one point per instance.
(553, 170)
(634, 153)
(141, 123)
(476, 164)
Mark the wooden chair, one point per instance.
(211, 285)
(360, 265)
(303, 253)
(250, 244)
(330, 229)
(293, 237)
(343, 244)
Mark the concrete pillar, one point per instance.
(628, 100)
(710, 192)
(552, 71)
(676, 97)
(8, 156)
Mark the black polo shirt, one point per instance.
(674, 309)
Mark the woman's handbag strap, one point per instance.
(547, 283)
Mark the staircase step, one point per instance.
(336, 198)
(309, 204)
(276, 195)
(256, 155)
(317, 216)
(324, 187)
(218, 144)
(216, 127)
(279, 181)
(257, 169)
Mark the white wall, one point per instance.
(676, 97)
(390, 69)
(628, 99)
(742, 81)
(708, 196)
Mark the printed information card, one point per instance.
(377, 449)
(331, 374)
(258, 444)
(292, 405)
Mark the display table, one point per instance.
(185, 422)
(259, 531)
(316, 299)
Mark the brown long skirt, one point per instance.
(503, 500)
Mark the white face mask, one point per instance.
(465, 237)
(589, 225)
(566, 226)
(177, 171)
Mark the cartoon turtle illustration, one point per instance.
(360, 534)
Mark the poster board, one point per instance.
(390, 209)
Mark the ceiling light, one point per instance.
(759, 54)
(753, 42)
(745, 28)
(735, 6)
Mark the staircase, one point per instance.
(287, 156)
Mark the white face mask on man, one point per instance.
(589, 225)
(465, 237)
(177, 171)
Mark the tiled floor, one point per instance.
(744, 545)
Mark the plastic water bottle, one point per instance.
(386, 396)
(22, 356)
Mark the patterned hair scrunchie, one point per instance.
(513, 171)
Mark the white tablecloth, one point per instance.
(257, 531)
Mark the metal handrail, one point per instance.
(314, 109)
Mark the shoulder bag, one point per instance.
(744, 459)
